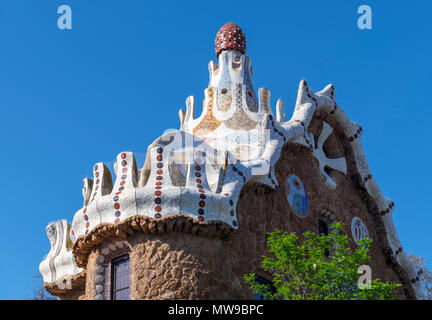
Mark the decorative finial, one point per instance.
(230, 37)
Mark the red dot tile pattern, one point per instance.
(158, 183)
(201, 203)
(230, 36)
(116, 199)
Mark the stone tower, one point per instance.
(194, 219)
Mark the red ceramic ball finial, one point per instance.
(230, 36)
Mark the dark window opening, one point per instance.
(323, 229)
(261, 280)
(120, 278)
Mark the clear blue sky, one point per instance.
(69, 99)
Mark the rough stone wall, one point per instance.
(86, 291)
(62, 287)
(78, 294)
(176, 265)
(261, 213)
(90, 289)
(344, 203)
(183, 266)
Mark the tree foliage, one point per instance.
(321, 267)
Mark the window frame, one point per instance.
(322, 222)
(114, 262)
(325, 223)
(265, 281)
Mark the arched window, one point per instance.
(324, 220)
(113, 269)
(120, 278)
(261, 280)
(322, 227)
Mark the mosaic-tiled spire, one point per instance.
(231, 103)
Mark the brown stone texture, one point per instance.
(69, 287)
(90, 288)
(75, 294)
(184, 266)
(169, 263)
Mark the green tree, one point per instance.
(321, 267)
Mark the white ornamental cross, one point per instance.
(338, 164)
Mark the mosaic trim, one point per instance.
(209, 122)
(359, 230)
(297, 195)
(230, 36)
(102, 283)
(60, 261)
(224, 99)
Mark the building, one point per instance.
(194, 219)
